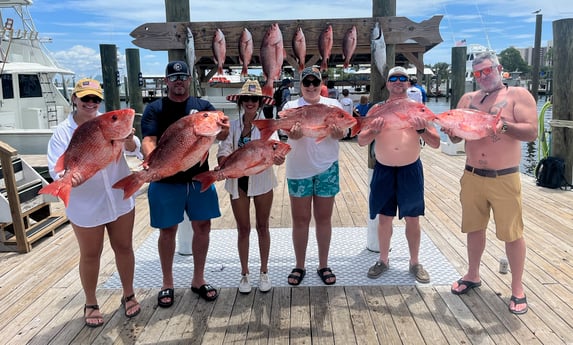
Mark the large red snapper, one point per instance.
(397, 113)
(251, 159)
(315, 121)
(185, 143)
(468, 124)
(272, 56)
(93, 146)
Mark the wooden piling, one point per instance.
(110, 74)
(562, 134)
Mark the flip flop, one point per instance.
(468, 284)
(517, 301)
(297, 277)
(204, 290)
(166, 293)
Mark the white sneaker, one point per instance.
(245, 284)
(264, 283)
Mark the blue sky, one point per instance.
(77, 28)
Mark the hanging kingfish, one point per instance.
(378, 48)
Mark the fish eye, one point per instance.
(114, 117)
(205, 115)
(275, 146)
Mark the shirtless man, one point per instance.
(492, 168)
(398, 180)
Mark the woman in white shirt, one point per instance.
(95, 206)
(260, 187)
(313, 181)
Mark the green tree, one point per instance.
(512, 61)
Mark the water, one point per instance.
(529, 151)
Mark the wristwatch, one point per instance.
(504, 127)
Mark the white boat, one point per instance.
(30, 102)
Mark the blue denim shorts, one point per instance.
(326, 184)
(168, 201)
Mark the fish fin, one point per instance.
(206, 179)
(354, 130)
(60, 164)
(130, 184)
(58, 188)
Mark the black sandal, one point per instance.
(325, 274)
(297, 277)
(124, 301)
(166, 293)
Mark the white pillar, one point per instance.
(372, 233)
(185, 236)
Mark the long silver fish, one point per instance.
(190, 50)
(378, 48)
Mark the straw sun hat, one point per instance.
(251, 88)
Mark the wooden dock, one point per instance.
(41, 298)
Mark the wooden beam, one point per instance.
(397, 30)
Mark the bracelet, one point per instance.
(421, 131)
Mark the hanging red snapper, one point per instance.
(93, 146)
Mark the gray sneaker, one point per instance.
(377, 270)
(422, 276)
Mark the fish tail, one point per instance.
(268, 88)
(58, 188)
(266, 127)
(206, 179)
(130, 184)
(244, 71)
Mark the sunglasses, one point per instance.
(308, 82)
(485, 71)
(87, 99)
(174, 78)
(395, 78)
(253, 99)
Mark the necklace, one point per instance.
(493, 91)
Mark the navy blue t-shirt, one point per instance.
(160, 114)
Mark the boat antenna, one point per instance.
(484, 27)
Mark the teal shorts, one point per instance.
(168, 201)
(325, 184)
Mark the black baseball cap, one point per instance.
(176, 68)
